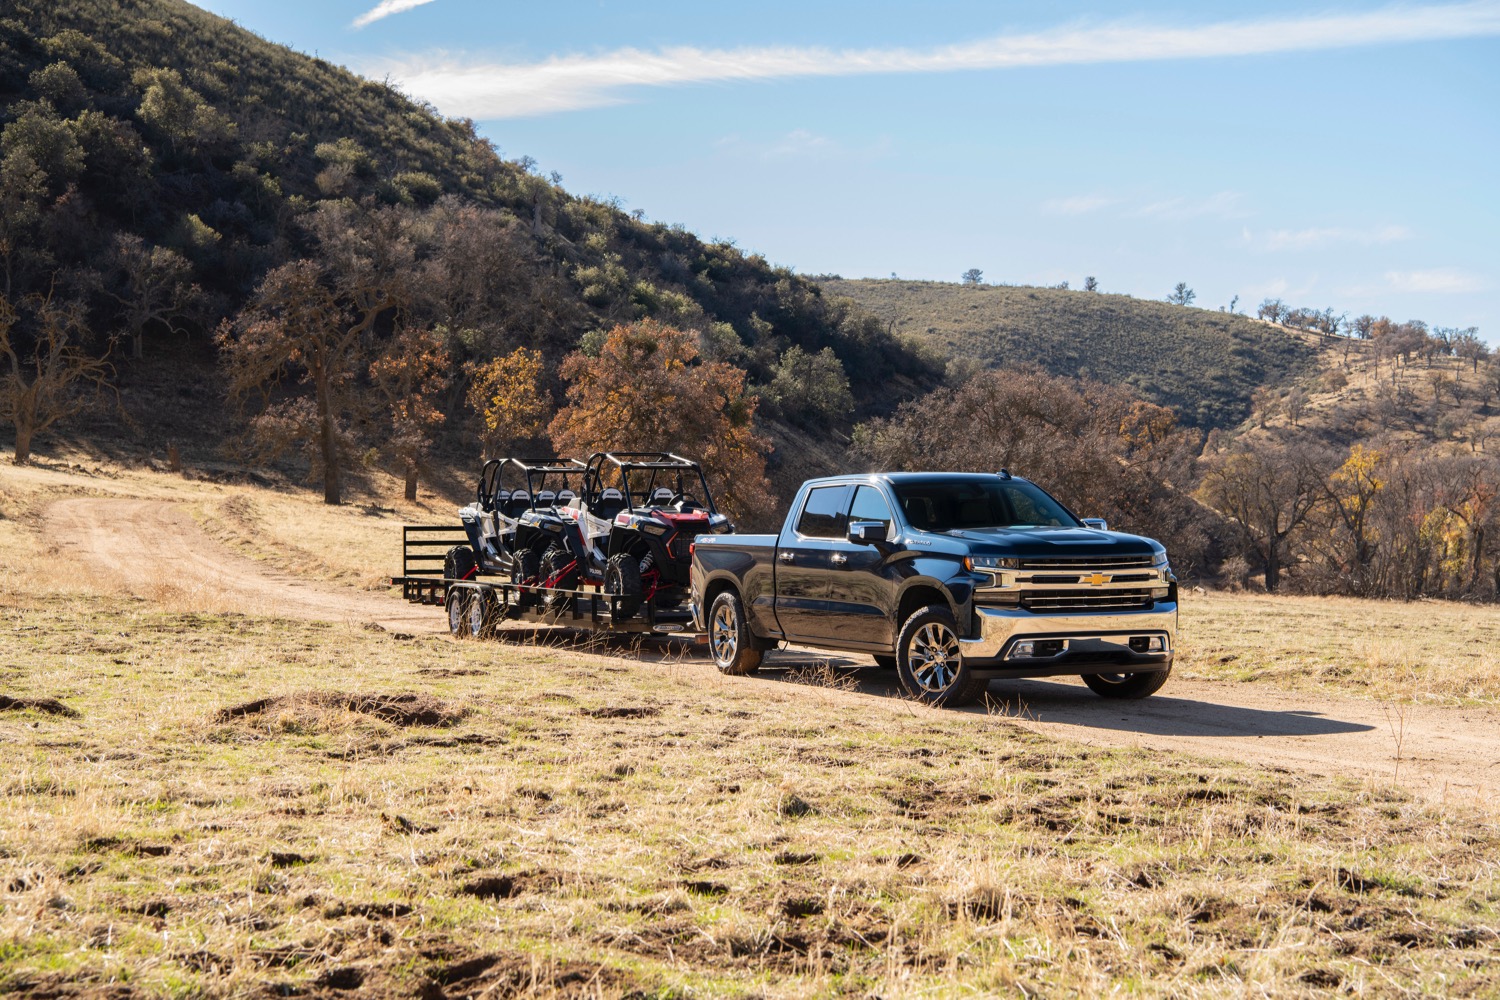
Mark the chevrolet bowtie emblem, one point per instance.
(1098, 579)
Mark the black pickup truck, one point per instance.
(951, 578)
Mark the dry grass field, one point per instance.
(204, 803)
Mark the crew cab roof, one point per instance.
(895, 478)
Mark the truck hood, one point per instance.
(1038, 541)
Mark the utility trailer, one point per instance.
(477, 607)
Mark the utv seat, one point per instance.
(661, 497)
(545, 498)
(611, 501)
(517, 504)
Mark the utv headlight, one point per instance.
(991, 562)
(654, 527)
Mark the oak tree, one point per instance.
(647, 390)
(48, 376)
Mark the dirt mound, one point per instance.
(526, 975)
(406, 709)
(49, 705)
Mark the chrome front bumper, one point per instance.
(1090, 643)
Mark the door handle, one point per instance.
(785, 557)
(838, 559)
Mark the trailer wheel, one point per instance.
(458, 611)
(482, 615)
(929, 660)
(1127, 686)
(622, 578)
(553, 561)
(729, 638)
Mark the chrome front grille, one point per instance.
(1080, 564)
(1087, 600)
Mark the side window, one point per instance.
(823, 514)
(869, 505)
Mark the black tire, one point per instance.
(457, 606)
(729, 640)
(553, 561)
(885, 662)
(930, 663)
(622, 577)
(526, 567)
(459, 564)
(1127, 686)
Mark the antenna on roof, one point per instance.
(1004, 473)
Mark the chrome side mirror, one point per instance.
(1097, 523)
(867, 532)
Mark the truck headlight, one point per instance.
(991, 562)
(1159, 559)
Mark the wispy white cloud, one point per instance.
(1224, 205)
(497, 90)
(1444, 280)
(1078, 204)
(1276, 240)
(385, 9)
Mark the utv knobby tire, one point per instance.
(553, 561)
(930, 661)
(729, 640)
(1128, 686)
(457, 606)
(622, 578)
(459, 564)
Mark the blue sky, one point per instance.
(1343, 155)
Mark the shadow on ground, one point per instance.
(1047, 701)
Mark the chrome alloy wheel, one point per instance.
(477, 608)
(457, 612)
(935, 657)
(723, 634)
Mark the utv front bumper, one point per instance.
(1011, 642)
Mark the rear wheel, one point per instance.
(483, 615)
(622, 578)
(458, 611)
(554, 561)
(1127, 686)
(729, 638)
(930, 663)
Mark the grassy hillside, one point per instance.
(1204, 364)
(154, 121)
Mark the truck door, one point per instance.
(803, 564)
(862, 585)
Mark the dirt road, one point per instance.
(154, 548)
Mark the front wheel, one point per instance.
(1127, 686)
(729, 638)
(930, 662)
(555, 567)
(622, 578)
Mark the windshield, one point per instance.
(958, 504)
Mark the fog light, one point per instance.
(1023, 649)
(1148, 644)
(1159, 592)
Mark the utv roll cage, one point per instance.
(642, 479)
(495, 498)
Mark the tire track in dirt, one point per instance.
(154, 549)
